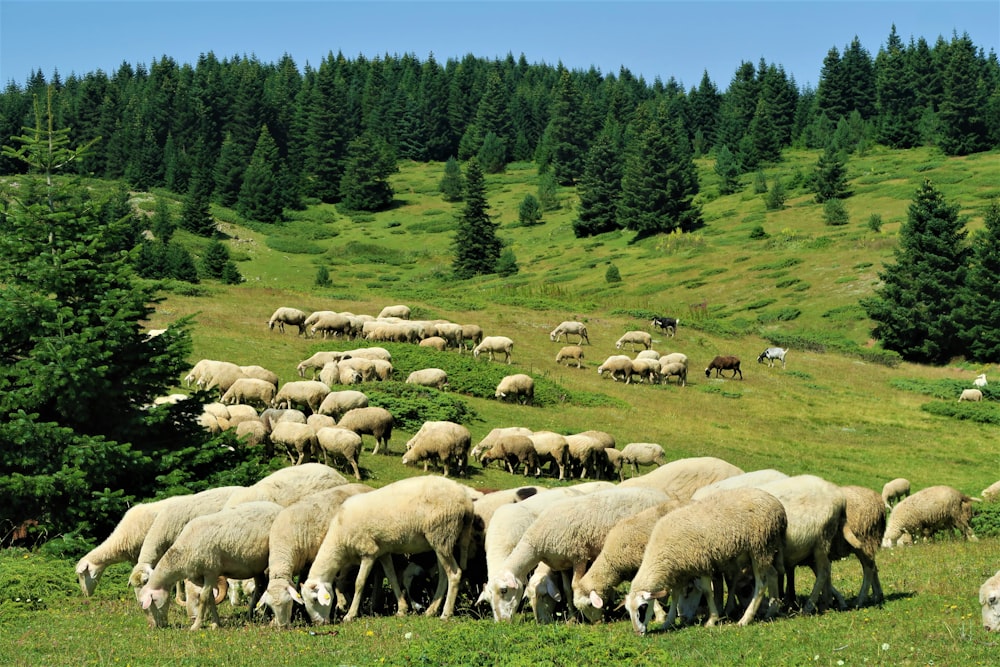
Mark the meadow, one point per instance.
(840, 409)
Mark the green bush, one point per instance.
(986, 519)
(612, 275)
(411, 405)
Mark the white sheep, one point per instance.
(260, 373)
(518, 387)
(211, 373)
(318, 421)
(585, 454)
(747, 480)
(570, 353)
(239, 413)
(614, 465)
(308, 393)
(647, 369)
(229, 543)
(567, 328)
(295, 538)
(673, 358)
(991, 492)
(333, 373)
(250, 391)
(493, 435)
(435, 343)
(617, 366)
(429, 377)
(337, 441)
(473, 333)
(373, 353)
(287, 485)
(862, 536)
(331, 325)
(366, 367)
(513, 450)
(643, 453)
(400, 311)
(895, 490)
(989, 598)
(445, 441)
(928, 511)
(372, 420)
(412, 516)
(695, 541)
(297, 439)
(685, 476)
(252, 432)
(674, 369)
(317, 361)
(648, 354)
(337, 403)
(974, 395)
(291, 316)
(494, 345)
(566, 536)
(980, 381)
(633, 338)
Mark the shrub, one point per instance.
(758, 233)
(612, 275)
(875, 222)
(322, 277)
(835, 213)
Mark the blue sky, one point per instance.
(678, 38)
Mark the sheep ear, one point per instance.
(323, 595)
(482, 597)
(295, 594)
(145, 598)
(655, 596)
(595, 600)
(552, 590)
(264, 599)
(508, 580)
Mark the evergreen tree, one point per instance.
(599, 189)
(196, 216)
(492, 154)
(476, 245)
(774, 200)
(162, 225)
(260, 194)
(963, 127)
(831, 176)
(548, 192)
(215, 259)
(917, 308)
(529, 212)
(896, 99)
(727, 168)
(566, 131)
(452, 185)
(980, 324)
(506, 263)
(365, 184)
(229, 172)
(179, 264)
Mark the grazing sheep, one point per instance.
(586, 454)
(673, 358)
(337, 403)
(862, 536)
(373, 353)
(980, 381)
(551, 446)
(333, 374)
(513, 450)
(928, 511)
(296, 439)
(272, 416)
(518, 387)
(332, 325)
(989, 598)
(309, 393)
(674, 369)
(287, 485)
(250, 391)
(473, 333)
(410, 516)
(252, 432)
(429, 377)
(571, 353)
(337, 441)
(566, 536)
(445, 441)
(317, 361)
(633, 338)
(434, 342)
(643, 453)
(974, 395)
(719, 533)
(724, 363)
(753, 478)
(614, 465)
(318, 421)
(894, 491)
(492, 437)
(400, 311)
(648, 354)
(647, 369)
(685, 476)
(494, 345)
(666, 324)
(295, 538)
(211, 373)
(367, 368)
(229, 543)
(771, 354)
(291, 316)
(374, 421)
(991, 492)
(617, 366)
(260, 373)
(567, 328)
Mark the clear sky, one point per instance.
(651, 38)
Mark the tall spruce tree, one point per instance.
(452, 185)
(963, 127)
(566, 131)
(599, 189)
(917, 308)
(477, 246)
(831, 175)
(260, 194)
(365, 185)
(981, 316)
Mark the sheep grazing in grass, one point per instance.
(551, 447)
(494, 345)
(374, 421)
(685, 476)
(337, 403)
(619, 367)
(444, 441)
(636, 454)
(980, 381)
(410, 516)
(648, 370)
(250, 391)
(991, 492)
(753, 478)
(927, 511)
(571, 353)
(989, 598)
(473, 333)
(674, 369)
(719, 533)
(317, 361)
(862, 536)
(400, 311)
(633, 338)
(336, 441)
(260, 373)
(513, 450)
(570, 327)
(435, 378)
(307, 393)
(894, 491)
(518, 387)
(493, 435)
(435, 343)
(252, 432)
(287, 485)
(586, 454)
(299, 440)
(772, 354)
(724, 363)
(291, 316)
(973, 395)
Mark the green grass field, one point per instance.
(833, 411)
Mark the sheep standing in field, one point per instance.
(297, 439)
(294, 540)
(317, 361)
(973, 395)
(551, 447)
(567, 328)
(518, 387)
(494, 345)
(373, 353)
(260, 373)
(618, 366)
(928, 511)
(643, 453)
(332, 325)
(647, 370)
(719, 533)
(492, 437)
(614, 465)
(685, 476)
(771, 354)
(633, 338)
(724, 363)
(989, 598)
(374, 421)
(429, 377)
(250, 391)
(991, 492)
(287, 485)
(980, 381)
(410, 516)
(290, 316)
(400, 311)
(473, 333)
(229, 543)
(571, 353)
(308, 393)
(754, 478)
(894, 491)
(445, 441)
(513, 450)
(336, 441)
(435, 343)
(585, 454)
(252, 432)
(337, 403)
(862, 536)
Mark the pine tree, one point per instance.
(896, 99)
(599, 189)
(980, 325)
(365, 184)
(831, 176)
(965, 97)
(529, 212)
(215, 260)
(196, 216)
(452, 185)
(566, 131)
(260, 194)
(492, 154)
(476, 245)
(727, 168)
(917, 308)
(162, 224)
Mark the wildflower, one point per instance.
(408, 635)
(885, 646)
(369, 634)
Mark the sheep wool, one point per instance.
(928, 511)
(685, 476)
(287, 485)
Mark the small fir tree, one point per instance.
(196, 216)
(162, 225)
(548, 192)
(835, 213)
(260, 193)
(727, 168)
(981, 316)
(365, 185)
(493, 154)
(612, 275)
(215, 259)
(476, 245)
(452, 184)
(831, 176)
(507, 263)
(529, 212)
(598, 189)
(322, 277)
(774, 200)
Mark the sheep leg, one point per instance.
(713, 608)
(451, 580)
(758, 593)
(823, 576)
(364, 569)
(354, 466)
(402, 606)
(206, 603)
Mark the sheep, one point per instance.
(647, 369)
(974, 395)
(339, 441)
(493, 435)
(211, 373)
(472, 333)
(566, 536)
(927, 511)
(746, 480)
(410, 516)
(250, 391)
(287, 485)
(374, 421)
(674, 369)
(231, 543)
(989, 598)
(383, 369)
(551, 446)
(614, 464)
(332, 374)
(772, 353)
(252, 432)
(617, 366)
(294, 540)
(980, 381)
(586, 454)
(337, 403)
(445, 441)
(297, 439)
(673, 358)
(694, 541)
(373, 353)
(724, 363)
(567, 328)
(513, 450)
(429, 377)
(331, 324)
(518, 387)
(272, 416)
(862, 536)
(643, 453)
(400, 311)
(309, 393)
(619, 559)
(633, 338)
(571, 353)
(283, 316)
(648, 354)
(318, 421)
(315, 316)
(685, 476)
(366, 367)
(317, 361)
(991, 492)
(494, 345)
(260, 373)
(895, 490)
(434, 342)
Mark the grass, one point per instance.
(839, 409)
